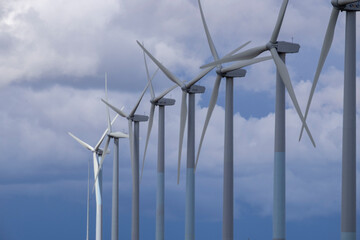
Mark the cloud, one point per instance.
(80, 40)
(46, 43)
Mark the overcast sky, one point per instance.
(53, 56)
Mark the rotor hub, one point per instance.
(270, 45)
(218, 72)
(99, 152)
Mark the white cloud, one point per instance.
(53, 38)
(77, 39)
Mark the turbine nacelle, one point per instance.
(283, 47)
(138, 118)
(163, 102)
(194, 89)
(347, 5)
(118, 135)
(233, 74)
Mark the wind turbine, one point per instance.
(115, 187)
(278, 51)
(348, 193)
(97, 152)
(189, 89)
(229, 73)
(134, 150)
(161, 102)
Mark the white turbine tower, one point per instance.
(115, 187)
(134, 150)
(278, 51)
(97, 152)
(161, 102)
(348, 193)
(229, 73)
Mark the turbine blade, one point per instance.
(151, 118)
(198, 77)
(140, 98)
(237, 49)
(250, 53)
(211, 107)
(162, 67)
(131, 140)
(281, 67)
(244, 63)
(152, 77)
(96, 167)
(101, 139)
(329, 36)
(148, 78)
(208, 36)
(112, 122)
(84, 144)
(102, 159)
(105, 133)
(105, 151)
(279, 22)
(164, 93)
(107, 108)
(119, 111)
(182, 129)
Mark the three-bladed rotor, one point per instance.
(186, 87)
(221, 72)
(154, 101)
(329, 36)
(273, 47)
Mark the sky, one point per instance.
(53, 56)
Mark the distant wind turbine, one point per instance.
(161, 102)
(189, 89)
(134, 150)
(97, 152)
(115, 187)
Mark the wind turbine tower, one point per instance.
(161, 102)
(278, 50)
(348, 183)
(134, 134)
